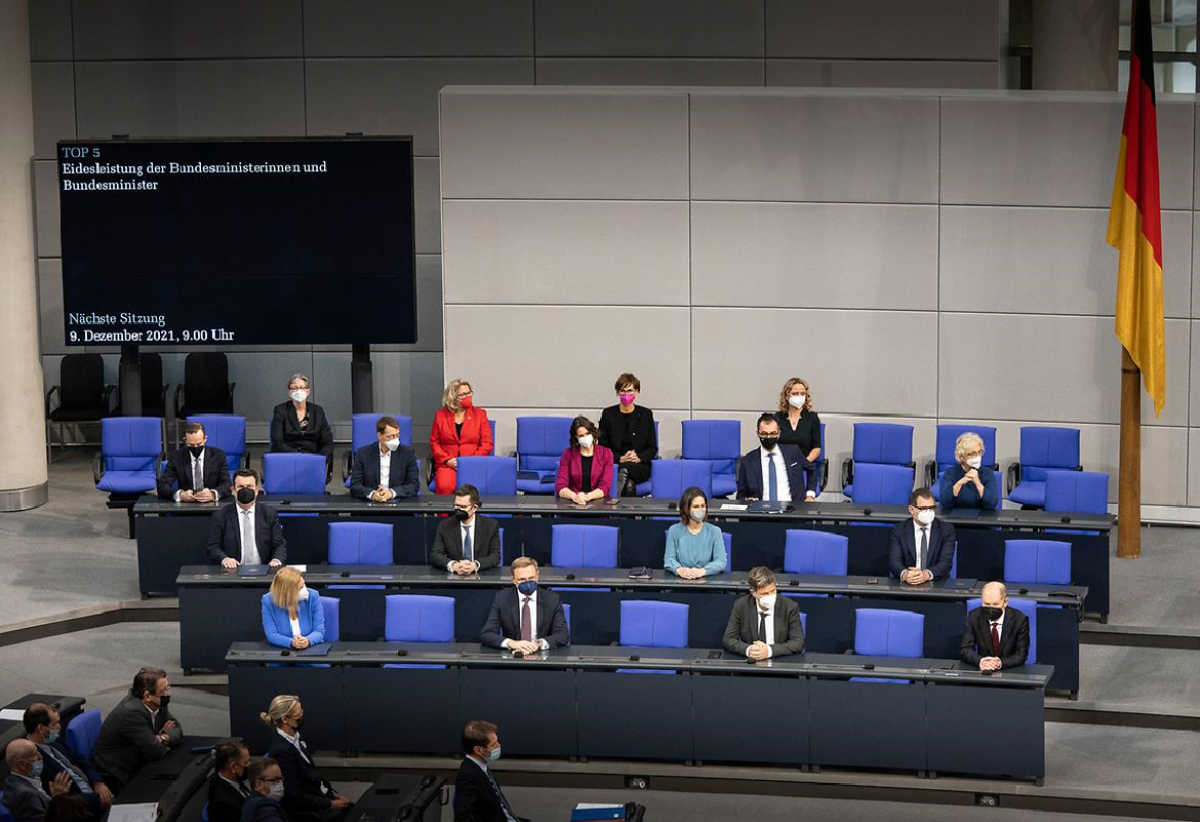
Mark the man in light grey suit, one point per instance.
(24, 795)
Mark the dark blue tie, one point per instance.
(508, 811)
(772, 480)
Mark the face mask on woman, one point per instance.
(796, 400)
(586, 441)
(299, 395)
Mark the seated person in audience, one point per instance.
(468, 541)
(627, 430)
(292, 616)
(68, 807)
(969, 484)
(996, 636)
(24, 794)
(763, 624)
(585, 468)
(526, 618)
(800, 426)
(921, 548)
(246, 533)
(306, 794)
(201, 472)
(138, 730)
(695, 548)
(43, 727)
(772, 472)
(266, 792)
(460, 429)
(477, 795)
(299, 426)
(227, 789)
(386, 470)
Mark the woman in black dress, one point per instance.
(799, 425)
(627, 430)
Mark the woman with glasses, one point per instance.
(627, 430)
(969, 483)
(460, 429)
(299, 426)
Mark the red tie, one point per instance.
(995, 640)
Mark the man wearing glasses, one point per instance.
(266, 786)
(468, 542)
(922, 548)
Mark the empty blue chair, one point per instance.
(204, 813)
(652, 624)
(540, 443)
(883, 632)
(332, 609)
(877, 443)
(1043, 448)
(360, 543)
(670, 478)
(82, 732)
(229, 434)
(567, 617)
(1040, 561)
(294, 473)
(947, 436)
(719, 443)
(1080, 492)
(418, 618)
(807, 551)
(884, 484)
(493, 476)
(1030, 609)
(130, 451)
(583, 546)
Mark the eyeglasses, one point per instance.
(466, 508)
(273, 780)
(926, 507)
(468, 394)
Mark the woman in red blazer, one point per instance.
(459, 430)
(573, 483)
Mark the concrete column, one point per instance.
(22, 409)
(1075, 44)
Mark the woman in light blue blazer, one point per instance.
(291, 612)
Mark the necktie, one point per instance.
(924, 549)
(772, 480)
(508, 811)
(249, 552)
(468, 546)
(76, 775)
(197, 476)
(762, 626)
(526, 622)
(995, 639)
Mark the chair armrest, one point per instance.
(162, 399)
(97, 468)
(106, 399)
(178, 391)
(428, 471)
(162, 457)
(1012, 477)
(347, 457)
(930, 473)
(232, 386)
(823, 474)
(246, 458)
(847, 472)
(50, 394)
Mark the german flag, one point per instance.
(1134, 227)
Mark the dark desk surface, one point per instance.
(172, 780)
(393, 792)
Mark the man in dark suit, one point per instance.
(922, 548)
(385, 471)
(266, 785)
(227, 790)
(232, 526)
(762, 624)
(468, 541)
(526, 618)
(24, 795)
(138, 730)
(996, 636)
(785, 462)
(201, 472)
(43, 727)
(477, 796)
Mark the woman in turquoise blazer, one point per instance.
(291, 612)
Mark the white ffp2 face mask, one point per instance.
(796, 401)
(974, 462)
(767, 602)
(298, 396)
(925, 517)
(586, 441)
(392, 444)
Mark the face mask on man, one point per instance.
(528, 587)
(925, 517)
(276, 791)
(299, 395)
(52, 737)
(245, 495)
(493, 754)
(196, 450)
(992, 612)
(392, 444)
(462, 514)
(769, 443)
(36, 773)
(767, 601)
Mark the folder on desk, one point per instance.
(587, 811)
(253, 570)
(313, 650)
(537, 476)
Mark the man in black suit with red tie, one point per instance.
(477, 796)
(922, 548)
(526, 618)
(200, 472)
(996, 636)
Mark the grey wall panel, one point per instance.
(427, 200)
(640, 71)
(1064, 369)
(179, 29)
(262, 379)
(931, 74)
(795, 147)
(1194, 403)
(53, 107)
(50, 307)
(50, 36)
(1193, 495)
(1195, 299)
(429, 304)
(930, 29)
(211, 98)
(670, 434)
(894, 370)
(524, 251)
(565, 144)
(411, 383)
(331, 371)
(396, 96)
(413, 28)
(1047, 260)
(664, 28)
(45, 182)
(1022, 151)
(814, 255)
(513, 353)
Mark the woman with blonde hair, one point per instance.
(460, 429)
(969, 483)
(307, 795)
(291, 612)
(799, 425)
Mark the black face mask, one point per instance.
(769, 442)
(299, 723)
(991, 613)
(196, 450)
(461, 515)
(246, 495)
(164, 701)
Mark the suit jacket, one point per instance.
(742, 630)
(750, 480)
(570, 470)
(259, 808)
(504, 620)
(51, 769)
(127, 739)
(26, 802)
(968, 497)
(305, 791)
(278, 627)
(179, 472)
(475, 800)
(903, 548)
(445, 443)
(403, 476)
(1014, 639)
(447, 542)
(637, 426)
(224, 801)
(287, 436)
(225, 535)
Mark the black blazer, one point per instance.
(903, 548)
(403, 476)
(504, 620)
(179, 470)
(127, 739)
(1014, 639)
(750, 477)
(742, 630)
(287, 436)
(51, 769)
(485, 539)
(225, 537)
(259, 808)
(475, 800)
(224, 801)
(305, 791)
(636, 429)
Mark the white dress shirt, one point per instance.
(784, 491)
(295, 742)
(770, 636)
(385, 468)
(533, 599)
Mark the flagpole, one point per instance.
(1129, 477)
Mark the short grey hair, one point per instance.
(294, 377)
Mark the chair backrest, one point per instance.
(362, 428)
(6, 814)
(419, 618)
(332, 610)
(541, 440)
(583, 546)
(150, 367)
(716, 441)
(728, 538)
(82, 732)
(567, 616)
(360, 543)
(947, 436)
(1029, 608)
(1041, 561)
(1082, 492)
(227, 433)
(206, 379)
(885, 443)
(1047, 446)
(885, 484)
(294, 473)
(670, 478)
(884, 632)
(808, 551)
(493, 476)
(652, 624)
(81, 381)
(131, 443)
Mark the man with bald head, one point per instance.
(996, 636)
(24, 795)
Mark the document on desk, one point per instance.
(12, 714)
(733, 506)
(301, 568)
(134, 812)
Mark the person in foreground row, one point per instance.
(762, 624)
(227, 789)
(921, 548)
(200, 471)
(24, 795)
(969, 483)
(306, 794)
(138, 730)
(477, 795)
(468, 541)
(772, 472)
(386, 470)
(585, 468)
(265, 781)
(292, 615)
(526, 618)
(246, 533)
(43, 727)
(695, 548)
(996, 636)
